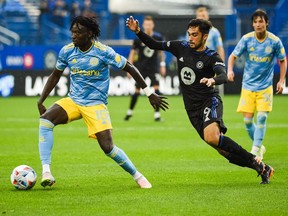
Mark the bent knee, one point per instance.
(212, 139)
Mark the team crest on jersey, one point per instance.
(199, 65)
(74, 60)
(268, 49)
(94, 61)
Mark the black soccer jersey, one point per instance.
(192, 67)
(148, 59)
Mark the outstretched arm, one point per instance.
(155, 100)
(133, 25)
(49, 86)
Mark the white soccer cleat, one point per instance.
(47, 179)
(261, 152)
(143, 182)
(255, 150)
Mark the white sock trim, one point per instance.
(46, 168)
(137, 175)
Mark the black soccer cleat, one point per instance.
(158, 119)
(127, 117)
(267, 174)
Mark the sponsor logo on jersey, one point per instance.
(181, 59)
(256, 58)
(187, 75)
(220, 63)
(199, 65)
(252, 49)
(148, 52)
(168, 44)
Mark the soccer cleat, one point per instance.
(143, 182)
(158, 119)
(127, 117)
(267, 174)
(261, 152)
(47, 179)
(255, 150)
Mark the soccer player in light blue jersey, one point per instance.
(88, 61)
(214, 40)
(260, 48)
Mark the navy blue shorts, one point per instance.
(210, 111)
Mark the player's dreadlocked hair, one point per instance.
(89, 22)
(204, 25)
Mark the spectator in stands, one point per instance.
(75, 9)
(88, 9)
(60, 12)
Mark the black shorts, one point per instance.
(152, 77)
(211, 111)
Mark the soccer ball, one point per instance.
(23, 177)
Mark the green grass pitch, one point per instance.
(188, 176)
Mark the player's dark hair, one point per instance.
(260, 13)
(204, 25)
(149, 18)
(89, 22)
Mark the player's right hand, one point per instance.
(158, 101)
(230, 76)
(41, 108)
(132, 24)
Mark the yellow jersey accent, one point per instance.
(250, 34)
(100, 46)
(69, 46)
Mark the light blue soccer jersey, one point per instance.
(214, 39)
(260, 59)
(89, 71)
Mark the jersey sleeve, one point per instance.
(173, 46)
(240, 48)
(217, 61)
(114, 59)
(61, 63)
(280, 50)
(220, 69)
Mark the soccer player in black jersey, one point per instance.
(149, 62)
(199, 70)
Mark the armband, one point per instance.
(147, 91)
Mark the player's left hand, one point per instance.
(279, 88)
(41, 108)
(208, 81)
(158, 101)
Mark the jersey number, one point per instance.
(207, 112)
